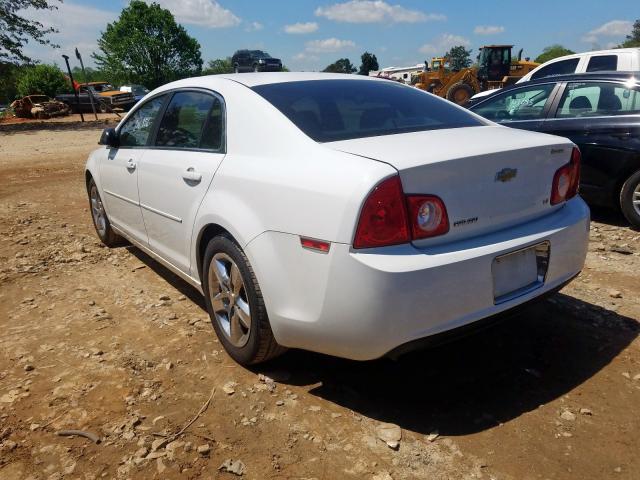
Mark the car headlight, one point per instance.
(261, 60)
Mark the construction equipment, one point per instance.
(495, 69)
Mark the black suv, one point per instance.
(255, 61)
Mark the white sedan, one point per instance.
(336, 213)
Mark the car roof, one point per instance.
(262, 78)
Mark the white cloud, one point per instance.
(304, 57)
(301, 28)
(79, 26)
(373, 11)
(254, 27)
(443, 43)
(205, 13)
(614, 28)
(328, 45)
(488, 29)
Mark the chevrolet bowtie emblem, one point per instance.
(506, 174)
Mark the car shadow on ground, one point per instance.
(477, 382)
(471, 384)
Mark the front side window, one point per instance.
(562, 67)
(135, 131)
(333, 110)
(588, 99)
(603, 63)
(192, 120)
(520, 104)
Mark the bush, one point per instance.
(41, 79)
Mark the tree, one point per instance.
(16, 31)
(219, 65)
(369, 63)
(633, 39)
(8, 77)
(551, 52)
(89, 75)
(459, 58)
(41, 79)
(342, 65)
(145, 45)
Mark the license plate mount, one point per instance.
(519, 272)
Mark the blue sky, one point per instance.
(310, 34)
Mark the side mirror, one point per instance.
(109, 138)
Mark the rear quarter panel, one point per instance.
(275, 178)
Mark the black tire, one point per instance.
(460, 93)
(260, 345)
(630, 192)
(102, 107)
(106, 235)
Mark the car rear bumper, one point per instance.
(364, 304)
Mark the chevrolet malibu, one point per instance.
(345, 215)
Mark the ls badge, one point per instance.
(506, 174)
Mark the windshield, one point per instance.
(260, 54)
(102, 87)
(332, 110)
(139, 90)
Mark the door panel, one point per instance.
(177, 172)
(172, 186)
(119, 174)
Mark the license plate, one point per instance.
(519, 272)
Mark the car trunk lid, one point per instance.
(489, 177)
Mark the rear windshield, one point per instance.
(332, 110)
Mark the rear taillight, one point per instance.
(427, 215)
(388, 217)
(383, 219)
(566, 180)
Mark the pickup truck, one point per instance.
(105, 98)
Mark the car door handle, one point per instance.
(131, 165)
(191, 175)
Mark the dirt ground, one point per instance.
(110, 342)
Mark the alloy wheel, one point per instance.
(229, 299)
(635, 199)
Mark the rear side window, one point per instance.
(135, 131)
(191, 120)
(562, 67)
(588, 99)
(603, 63)
(332, 110)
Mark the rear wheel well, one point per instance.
(208, 233)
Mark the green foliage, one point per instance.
(43, 79)
(459, 57)
(146, 46)
(89, 75)
(633, 40)
(16, 31)
(369, 63)
(217, 66)
(553, 51)
(342, 65)
(8, 78)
